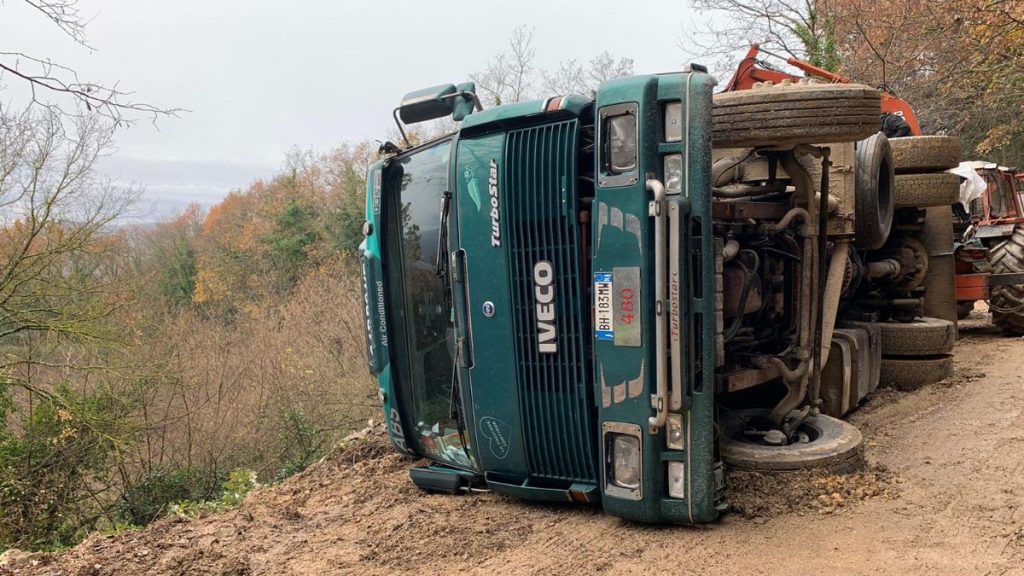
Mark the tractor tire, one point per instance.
(874, 187)
(1007, 302)
(924, 190)
(788, 114)
(915, 154)
(837, 446)
(909, 374)
(921, 337)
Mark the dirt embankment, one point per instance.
(943, 496)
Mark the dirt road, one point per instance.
(944, 497)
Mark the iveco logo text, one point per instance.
(492, 188)
(544, 290)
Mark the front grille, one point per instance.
(554, 389)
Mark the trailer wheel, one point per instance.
(786, 114)
(826, 442)
(924, 190)
(920, 337)
(874, 187)
(925, 153)
(1007, 302)
(912, 373)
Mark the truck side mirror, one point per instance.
(427, 104)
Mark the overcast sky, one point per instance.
(261, 78)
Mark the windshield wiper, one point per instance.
(441, 265)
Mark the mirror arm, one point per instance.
(401, 130)
(476, 100)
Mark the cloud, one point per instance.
(170, 186)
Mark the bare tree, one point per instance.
(510, 75)
(803, 29)
(569, 78)
(54, 212)
(573, 78)
(52, 85)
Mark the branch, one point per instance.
(65, 15)
(108, 101)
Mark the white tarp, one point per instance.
(972, 186)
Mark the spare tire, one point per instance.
(874, 192)
(924, 190)
(832, 444)
(920, 337)
(925, 153)
(907, 373)
(787, 114)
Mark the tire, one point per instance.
(787, 114)
(839, 447)
(874, 187)
(915, 154)
(922, 337)
(964, 309)
(1007, 302)
(924, 190)
(912, 373)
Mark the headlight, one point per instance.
(673, 173)
(677, 479)
(674, 432)
(626, 462)
(673, 121)
(622, 143)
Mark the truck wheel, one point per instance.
(786, 114)
(911, 373)
(1007, 302)
(925, 153)
(827, 442)
(923, 190)
(874, 184)
(920, 337)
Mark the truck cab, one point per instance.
(540, 297)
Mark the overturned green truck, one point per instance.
(581, 300)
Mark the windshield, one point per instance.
(415, 185)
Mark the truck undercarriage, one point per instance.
(626, 292)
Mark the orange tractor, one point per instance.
(990, 253)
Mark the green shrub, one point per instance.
(153, 495)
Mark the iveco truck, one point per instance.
(562, 296)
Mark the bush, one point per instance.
(234, 490)
(157, 491)
(54, 466)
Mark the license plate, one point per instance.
(604, 317)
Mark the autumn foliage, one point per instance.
(142, 367)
